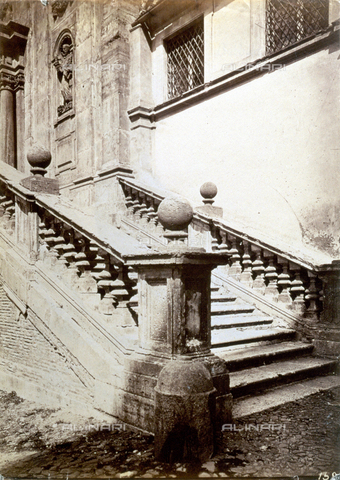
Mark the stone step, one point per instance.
(281, 395)
(222, 297)
(233, 321)
(224, 308)
(252, 380)
(264, 354)
(239, 336)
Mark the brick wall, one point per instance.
(31, 357)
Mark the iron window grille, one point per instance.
(185, 60)
(289, 21)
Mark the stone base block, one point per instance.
(40, 184)
(327, 348)
(210, 210)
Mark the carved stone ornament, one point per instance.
(59, 7)
(146, 5)
(4, 9)
(63, 62)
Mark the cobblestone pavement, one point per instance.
(300, 438)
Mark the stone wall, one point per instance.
(33, 362)
(93, 134)
(271, 147)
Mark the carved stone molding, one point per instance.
(59, 7)
(11, 82)
(5, 8)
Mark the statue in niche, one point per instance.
(63, 62)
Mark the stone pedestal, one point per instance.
(326, 330)
(40, 184)
(185, 412)
(174, 321)
(39, 159)
(174, 301)
(192, 393)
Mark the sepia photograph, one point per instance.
(169, 239)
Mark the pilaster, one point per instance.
(13, 38)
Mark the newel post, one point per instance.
(192, 391)
(27, 219)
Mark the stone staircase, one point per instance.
(261, 351)
(261, 355)
(76, 278)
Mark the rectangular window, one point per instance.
(185, 60)
(289, 21)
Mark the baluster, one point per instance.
(69, 248)
(143, 210)
(136, 206)
(297, 290)
(70, 253)
(270, 276)
(235, 268)
(49, 235)
(105, 274)
(122, 291)
(82, 262)
(9, 209)
(60, 246)
(321, 296)
(133, 302)
(3, 199)
(312, 297)
(151, 217)
(246, 276)
(284, 283)
(129, 203)
(214, 239)
(224, 248)
(159, 227)
(258, 270)
(11, 223)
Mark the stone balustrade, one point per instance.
(276, 275)
(103, 279)
(74, 254)
(7, 210)
(142, 212)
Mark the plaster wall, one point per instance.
(271, 145)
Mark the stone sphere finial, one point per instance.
(175, 214)
(208, 191)
(39, 158)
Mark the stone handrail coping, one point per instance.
(119, 244)
(302, 255)
(108, 237)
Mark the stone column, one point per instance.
(13, 38)
(7, 125)
(20, 124)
